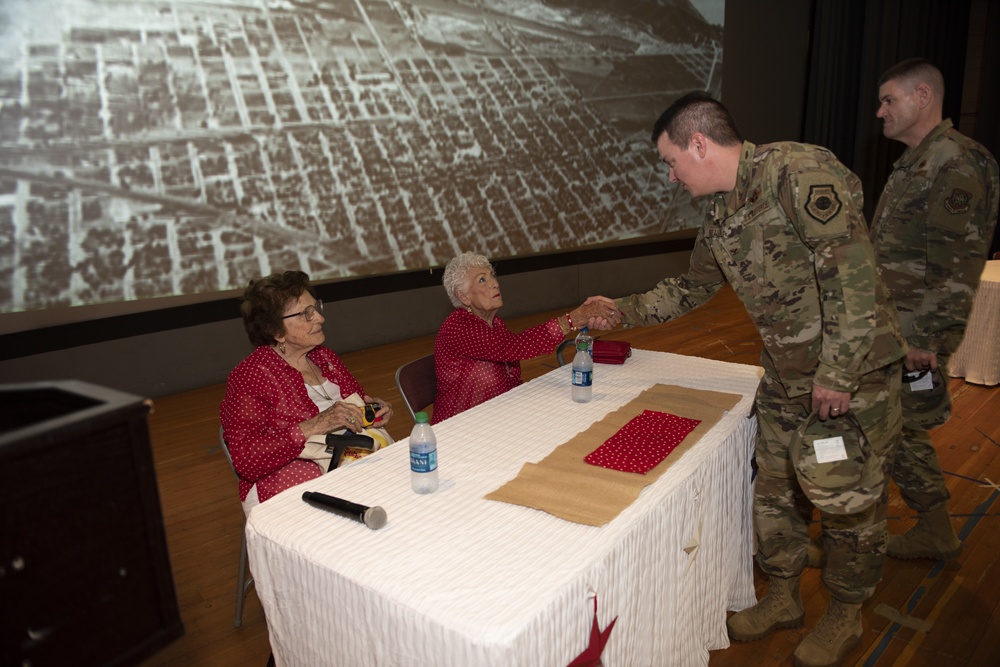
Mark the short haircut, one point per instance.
(912, 72)
(697, 112)
(456, 274)
(264, 302)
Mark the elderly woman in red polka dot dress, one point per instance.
(475, 355)
(291, 387)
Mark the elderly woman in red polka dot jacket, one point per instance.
(291, 387)
(476, 357)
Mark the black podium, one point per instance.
(85, 575)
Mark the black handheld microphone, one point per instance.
(373, 517)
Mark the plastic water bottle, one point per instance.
(423, 456)
(585, 335)
(583, 368)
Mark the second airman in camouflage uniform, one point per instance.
(786, 230)
(931, 232)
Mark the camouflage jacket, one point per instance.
(791, 239)
(931, 232)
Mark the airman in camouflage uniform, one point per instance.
(786, 230)
(931, 232)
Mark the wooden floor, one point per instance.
(923, 613)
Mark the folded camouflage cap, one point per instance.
(833, 483)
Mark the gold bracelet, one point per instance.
(569, 321)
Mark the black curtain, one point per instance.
(987, 130)
(853, 42)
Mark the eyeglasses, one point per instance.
(309, 312)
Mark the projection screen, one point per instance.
(152, 149)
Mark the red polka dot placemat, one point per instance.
(643, 442)
(565, 485)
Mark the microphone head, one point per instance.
(375, 517)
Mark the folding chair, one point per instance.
(244, 582)
(569, 342)
(417, 383)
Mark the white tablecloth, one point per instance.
(456, 580)
(978, 357)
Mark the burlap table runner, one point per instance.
(566, 486)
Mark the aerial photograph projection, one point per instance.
(154, 148)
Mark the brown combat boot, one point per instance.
(932, 537)
(780, 608)
(838, 632)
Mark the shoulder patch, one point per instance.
(959, 201)
(823, 203)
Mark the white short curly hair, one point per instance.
(456, 274)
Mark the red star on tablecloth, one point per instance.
(591, 656)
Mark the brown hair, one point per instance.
(264, 302)
(912, 72)
(697, 112)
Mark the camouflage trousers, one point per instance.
(916, 470)
(854, 543)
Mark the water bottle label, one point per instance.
(424, 462)
(582, 378)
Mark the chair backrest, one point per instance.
(229, 457)
(225, 450)
(417, 383)
(562, 348)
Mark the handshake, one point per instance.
(597, 312)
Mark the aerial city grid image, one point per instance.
(154, 148)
